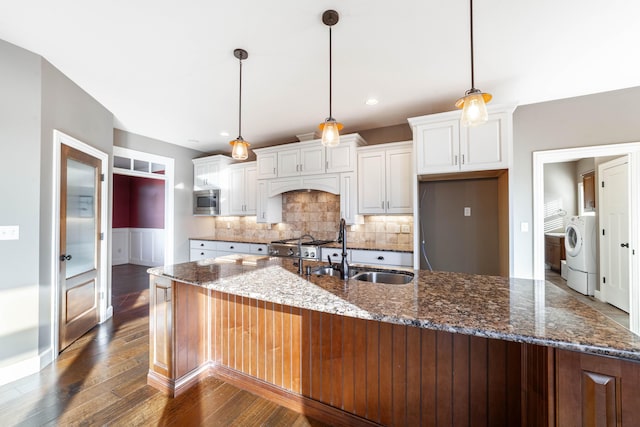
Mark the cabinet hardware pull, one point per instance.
(201, 253)
(462, 159)
(202, 244)
(381, 258)
(382, 205)
(624, 245)
(455, 161)
(274, 171)
(326, 164)
(259, 249)
(64, 257)
(387, 204)
(230, 247)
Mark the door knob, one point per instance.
(624, 245)
(64, 257)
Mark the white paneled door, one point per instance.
(615, 236)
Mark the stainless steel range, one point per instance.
(309, 247)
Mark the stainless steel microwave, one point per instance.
(206, 202)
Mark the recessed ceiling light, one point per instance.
(193, 141)
(371, 101)
(224, 133)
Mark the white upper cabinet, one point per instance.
(267, 165)
(242, 189)
(208, 172)
(268, 209)
(385, 175)
(443, 145)
(308, 158)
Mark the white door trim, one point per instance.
(105, 311)
(540, 158)
(168, 178)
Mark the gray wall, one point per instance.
(454, 242)
(36, 98)
(185, 224)
(599, 119)
(19, 202)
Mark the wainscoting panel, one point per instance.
(146, 246)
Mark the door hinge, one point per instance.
(101, 295)
(602, 184)
(101, 236)
(604, 279)
(102, 177)
(603, 231)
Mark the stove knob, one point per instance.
(306, 254)
(291, 252)
(312, 254)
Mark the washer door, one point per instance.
(573, 240)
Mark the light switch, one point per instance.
(467, 211)
(10, 232)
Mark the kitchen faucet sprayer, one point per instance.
(344, 265)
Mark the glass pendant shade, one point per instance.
(474, 107)
(240, 149)
(330, 132)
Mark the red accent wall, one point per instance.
(137, 202)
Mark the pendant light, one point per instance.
(240, 146)
(474, 101)
(330, 127)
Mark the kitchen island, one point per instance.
(446, 349)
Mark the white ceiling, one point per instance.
(166, 69)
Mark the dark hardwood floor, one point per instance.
(101, 379)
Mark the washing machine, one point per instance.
(580, 248)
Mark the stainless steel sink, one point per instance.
(326, 271)
(390, 278)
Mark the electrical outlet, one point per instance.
(228, 225)
(404, 228)
(467, 211)
(10, 232)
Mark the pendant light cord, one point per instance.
(330, 68)
(240, 104)
(471, 27)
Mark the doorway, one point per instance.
(80, 249)
(541, 158)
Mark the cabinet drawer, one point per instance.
(258, 249)
(404, 259)
(335, 253)
(203, 244)
(198, 254)
(234, 247)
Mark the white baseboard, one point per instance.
(20, 369)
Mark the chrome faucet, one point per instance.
(300, 268)
(342, 237)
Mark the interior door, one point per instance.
(614, 220)
(80, 176)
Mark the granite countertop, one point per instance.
(518, 310)
(354, 245)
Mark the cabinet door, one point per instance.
(267, 165)
(371, 182)
(250, 196)
(589, 187)
(268, 209)
(594, 390)
(236, 191)
(289, 162)
(341, 158)
(399, 181)
(485, 147)
(437, 147)
(312, 160)
(348, 197)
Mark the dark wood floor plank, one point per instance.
(101, 379)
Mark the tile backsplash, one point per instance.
(316, 213)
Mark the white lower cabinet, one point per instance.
(382, 258)
(202, 249)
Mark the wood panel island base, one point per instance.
(364, 354)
